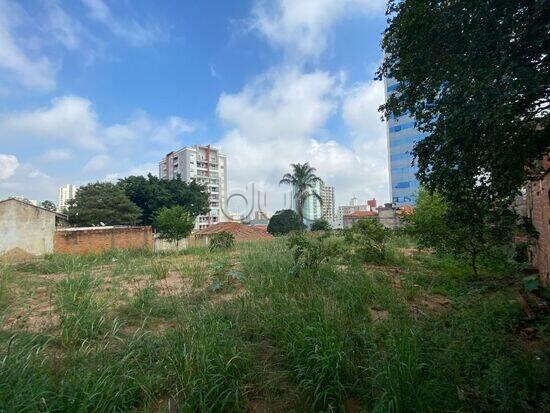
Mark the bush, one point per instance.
(366, 240)
(222, 241)
(485, 239)
(284, 221)
(310, 252)
(320, 224)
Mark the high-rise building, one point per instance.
(206, 166)
(402, 135)
(313, 209)
(64, 195)
(328, 207)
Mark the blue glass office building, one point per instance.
(401, 137)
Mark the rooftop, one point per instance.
(240, 231)
(57, 214)
(361, 214)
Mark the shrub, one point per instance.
(284, 221)
(366, 240)
(310, 252)
(222, 241)
(486, 239)
(320, 224)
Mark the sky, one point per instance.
(96, 90)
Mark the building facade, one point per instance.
(206, 166)
(26, 229)
(328, 205)
(313, 209)
(64, 195)
(352, 208)
(401, 136)
(537, 203)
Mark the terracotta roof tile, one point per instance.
(361, 214)
(240, 231)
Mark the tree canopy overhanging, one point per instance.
(476, 77)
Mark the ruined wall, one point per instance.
(98, 239)
(538, 209)
(25, 228)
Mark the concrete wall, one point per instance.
(98, 239)
(182, 244)
(538, 209)
(25, 227)
(387, 215)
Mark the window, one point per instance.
(400, 157)
(404, 126)
(393, 87)
(407, 140)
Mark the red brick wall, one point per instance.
(538, 209)
(80, 241)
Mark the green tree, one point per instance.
(320, 225)
(476, 77)
(303, 181)
(173, 223)
(102, 203)
(49, 205)
(435, 225)
(285, 221)
(152, 194)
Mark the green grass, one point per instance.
(243, 331)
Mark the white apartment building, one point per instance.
(206, 166)
(353, 206)
(328, 207)
(64, 195)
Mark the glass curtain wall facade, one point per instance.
(401, 135)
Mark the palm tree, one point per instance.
(303, 180)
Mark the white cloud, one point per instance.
(360, 112)
(134, 32)
(98, 163)
(282, 104)
(68, 118)
(30, 71)
(302, 28)
(64, 28)
(72, 120)
(55, 155)
(142, 169)
(168, 132)
(29, 182)
(277, 120)
(8, 165)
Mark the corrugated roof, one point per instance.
(240, 231)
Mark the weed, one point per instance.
(221, 241)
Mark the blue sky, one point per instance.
(97, 90)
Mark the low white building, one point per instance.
(354, 206)
(26, 229)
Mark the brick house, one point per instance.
(537, 208)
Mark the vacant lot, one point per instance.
(239, 330)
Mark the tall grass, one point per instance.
(303, 341)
